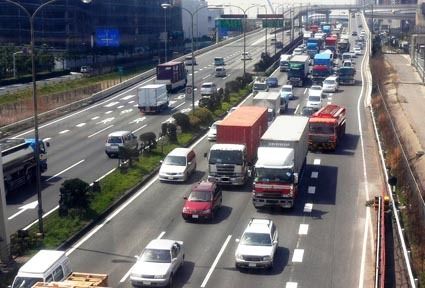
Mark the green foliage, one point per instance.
(148, 139)
(195, 122)
(205, 116)
(127, 153)
(74, 194)
(182, 120)
(172, 132)
(265, 62)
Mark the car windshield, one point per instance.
(314, 98)
(256, 239)
(206, 85)
(286, 89)
(329, 82)
(273, 175)
(316, 88)
(175, 160)
(226, 157)
(114, 140)
(199, 196)
(307, 111)
(260, 86)
(321, 128)
(156, 255)
(25, 282)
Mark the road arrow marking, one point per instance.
(138, 120)
(22, 209)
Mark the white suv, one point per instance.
(258, 244)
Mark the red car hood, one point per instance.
(192, 205)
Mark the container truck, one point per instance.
(173, 74)
(18, 157)
(330, 43)
(284, 62)
(153, 98)
(313, 46)
(238, 137)
(343, 46)
(281, 160)
(298, 70)
(269, 100)
(346, 75)
(326, 127)
(322, 67)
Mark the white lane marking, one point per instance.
(296, 109)
(95, 118)
(137, 120)
(103, 176)
(127, 97)
(80, 125)
(168, 120)
(316, 162)
(186, 110)
(314, 174)
(120, 208)
(305, 90)
(44, 216)
(124, 278)
(131, 102)
(136, 105)
(111, 104)
(311, 189)
(291, 285)
(47, 139)
(63, 131)
(308, 207)
(205, 77)
(140, 128)
(174, 108)
(104, 121)
(108, 112)
(180, 96)
(204, 283)
(200, 69)
(63, 171)
(120, 107)
(329, 102)
(126, 111)
(24, 208)
(172, 102)
(329, 98)
(298, 255)
(83, 110)
(100, 131)
(196, 72)
(303, 230)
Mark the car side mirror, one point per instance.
(295, 178)
(189, 163)
(274, 242)
(185, 198)
(205, 154)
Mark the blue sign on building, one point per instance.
(107, 37)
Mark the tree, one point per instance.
(74, 194)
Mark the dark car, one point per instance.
(308, 111)
(272, 82)
(354, 33)
(203, 202)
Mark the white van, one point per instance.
(189, 61)
(120, 139)
(220, 71)
(45, 266)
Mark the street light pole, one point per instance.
(31, 18)
(165, 31)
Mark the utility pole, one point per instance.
(4, 238)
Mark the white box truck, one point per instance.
(269, 100)
(281, 159)
(153, 98)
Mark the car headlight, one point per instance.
(159, 276)
(179, 174)
(208, 211)
(186, 210)
(267, 258)
(238, 256)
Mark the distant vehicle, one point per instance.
(347, 63)
(203, 202)
(219, 61)
(314, 98)
(208, 88)
(212, 133)
(308, 111)
(346, 56)
(120, 139)
(188, 60)
(346, 75)
(270, 100)
(258, 244)
(330, 84)
(354, 33)
(260, 85)
(172, 74)
(220, 71)
(273, 40)
(179, 164)
(297, 51)
(246, 56)
(298, 70)
(353, 54)
(284, 62)
(358, 50)
(158, 263)
(272, 82)
(360, 25)
(286, 94)
(86, 69)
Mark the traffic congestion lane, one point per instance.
(118, 111)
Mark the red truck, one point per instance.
(326, 127)
(238, 137)
(330, 43)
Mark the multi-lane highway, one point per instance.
(325, 240)
(77, 140)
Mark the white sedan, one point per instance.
(158, 263)
(357, 50)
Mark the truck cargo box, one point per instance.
(152, 98)
(245, 126)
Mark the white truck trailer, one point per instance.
(269, 100)
(153, 98)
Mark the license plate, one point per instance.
(252, 265)
(195, 216)
(171, 178)
(146, 283)
(114, 144)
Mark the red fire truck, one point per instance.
(326, 127)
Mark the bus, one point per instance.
(173, 74)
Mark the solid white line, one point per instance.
(308, 207)
(291, 285)
(204, 283)
(303, 230)
(100, 131)
(44, 216)
(103, 176)
(311, 189)
(305, 90)
(296, 109)
(124, 278)
(178, 106)
(20, 211)
(140, 128)
(316, 162)
(314, 174)
(63, 171)
(47, 139)
(298, 255)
